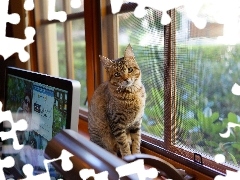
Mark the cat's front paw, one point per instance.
(136, 152)
(136, 148)
(126, 153)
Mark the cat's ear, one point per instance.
(105, 61)
(129, 51)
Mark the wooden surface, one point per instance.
(83, 129)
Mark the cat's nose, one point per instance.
(128, 81)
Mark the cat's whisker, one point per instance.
(119, 89)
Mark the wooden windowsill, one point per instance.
(83, 129)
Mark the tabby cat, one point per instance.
(117, 106)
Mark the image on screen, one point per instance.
(45, 110)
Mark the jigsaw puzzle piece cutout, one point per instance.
(28, 5)
(9, 46)
(52, 14)
(66, 164)
(76, 4)
(137, 167)
(28, 171)
(20, 125)
(87, 173)
(7, 162)
(5, 17)
(236, 89)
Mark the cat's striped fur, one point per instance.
(117, 106)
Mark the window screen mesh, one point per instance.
(146, 37)
(205, 69)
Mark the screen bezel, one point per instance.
(71, 86)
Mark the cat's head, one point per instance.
(124, 72)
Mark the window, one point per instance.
(188, 74)
(61, 46)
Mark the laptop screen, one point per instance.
(46, 104)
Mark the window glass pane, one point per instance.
(207, 68)
(59, 5)
(146, 37)
(78, 36)
(61, 50)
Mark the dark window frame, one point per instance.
(166, 147)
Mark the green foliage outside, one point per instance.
(79, 66)
(205, 74)
(205, 104)
(59, 121)
(15, 95)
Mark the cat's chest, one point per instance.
(130, 107)
(128, 101)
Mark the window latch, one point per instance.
(197, 158)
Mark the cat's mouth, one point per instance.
(129, 85)
(126, 83)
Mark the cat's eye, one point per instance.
(117, 74)
(130, 70)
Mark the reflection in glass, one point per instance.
(78, 37)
